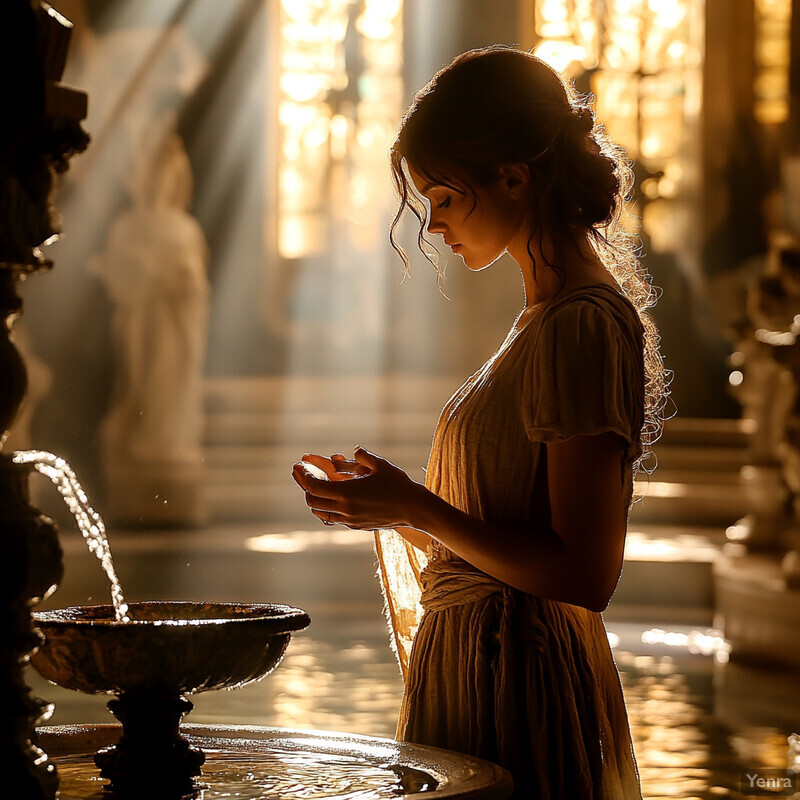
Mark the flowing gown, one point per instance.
(523, 681)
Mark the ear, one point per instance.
(516, 178)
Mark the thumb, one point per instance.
(366, 458)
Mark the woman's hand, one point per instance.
(335, 468)
(366, 493)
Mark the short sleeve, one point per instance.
(585, 374)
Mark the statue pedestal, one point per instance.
(758, 612)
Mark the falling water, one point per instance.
(89, 521)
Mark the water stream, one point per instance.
(89, 521)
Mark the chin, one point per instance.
(479, 266)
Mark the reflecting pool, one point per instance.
(698, 719)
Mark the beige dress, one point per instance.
(526, 682)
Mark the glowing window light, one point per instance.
(336, 119)
(642, 61)
(772, 59)
(560, 55)
(669, 13)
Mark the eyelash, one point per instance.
(444, 203)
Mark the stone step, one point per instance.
(264, 428)
(724, 445)
(298, 394)
(718, 503)
(256, 428)
(699, 459)
(250, 442)
(405, 406)
(667, 575)
(705, 432)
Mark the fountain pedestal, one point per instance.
(151, 747)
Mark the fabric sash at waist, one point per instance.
(448, 583)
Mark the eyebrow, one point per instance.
(428, 186)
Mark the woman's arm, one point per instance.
(418, 538)
(578, 560)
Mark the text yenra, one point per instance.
(774, 782)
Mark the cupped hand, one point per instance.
(336, 467)
(366, 493)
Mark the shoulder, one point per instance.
(600, 302)
(586, 372)
(590, 317)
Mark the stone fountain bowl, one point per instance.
(167, 647)
(164, 652)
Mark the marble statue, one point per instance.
(770, 395)
(154, 268)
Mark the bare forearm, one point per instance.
(418, 539)
(538, 562)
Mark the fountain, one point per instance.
(149, 655)
(150, 661)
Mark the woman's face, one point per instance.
(478, 228)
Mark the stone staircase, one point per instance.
(256, 429)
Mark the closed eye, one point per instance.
(444, 204)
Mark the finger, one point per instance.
(321, 505)
(321, 463)
(297, 473)
(329, 517)
(332, 490)
(339, 462)
(367, 459)
(345, 467)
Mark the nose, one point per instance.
(435, 223)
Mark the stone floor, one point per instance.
(698, 720)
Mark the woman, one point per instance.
(514, 545)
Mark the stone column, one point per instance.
(40, 131)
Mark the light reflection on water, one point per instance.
(696, 722)
(689, 735)
(267, 776)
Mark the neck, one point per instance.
(548, 269)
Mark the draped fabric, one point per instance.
(523, 681)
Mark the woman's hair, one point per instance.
(499, 106)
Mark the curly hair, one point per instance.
(498, 106)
